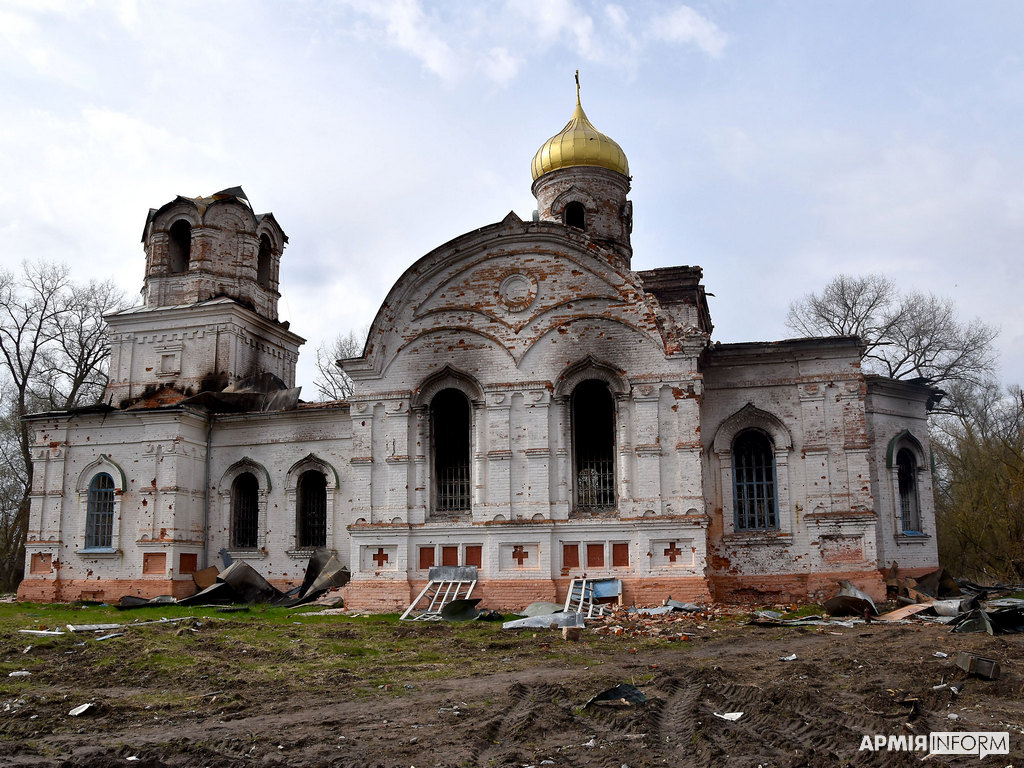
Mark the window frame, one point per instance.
(771, 516)
(225, 489)
(99, 513)
(751, 417)
(435, 509)
(610, 476)
(908, 442)
(103, 464)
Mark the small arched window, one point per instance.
(593, 446)
(263, 262)
(906, 478)
(245, 511)
(312, 509)
(449, 430)
(753, 471)
(179, 246)
(576, 216)
(99, 517)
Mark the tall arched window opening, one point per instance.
(179, 246)
(245, 511)
(906, 478)
(753, 466)
(576, 216)
(312, 509)
(263, 261)
(593, 445)
(449, 429)
(99, 516)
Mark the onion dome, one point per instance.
(579, 144)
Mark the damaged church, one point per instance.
(526, 403)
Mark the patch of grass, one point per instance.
(811, 609)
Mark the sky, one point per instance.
(774, 143)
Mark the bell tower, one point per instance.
(581, 179)
(203, 247)
(209, 312)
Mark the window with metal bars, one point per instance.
(312, 507)
(449, 429)
(245, 511)
(99, 516)
(593, 442)
(753, 473)
(906, 478)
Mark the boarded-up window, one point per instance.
(154, 563)
(245, 511)
(620, 555)
(474, 555)
(426, 558)
(570, 555)
(188, 562)
(449, 555)
(99, 516)
(595, 555)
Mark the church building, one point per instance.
(526, 403)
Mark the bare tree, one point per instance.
(911, 335)
(53, 354)
(979, 488)
(331, 382)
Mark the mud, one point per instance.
(525, 706)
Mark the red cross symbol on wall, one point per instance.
(519, 554)
(672, 552)
(381, 557)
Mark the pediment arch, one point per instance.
(245, 465)
(103, 463)
(752, 417)
(590, 367)
(312, 461)
(905, 439)
(447, 378)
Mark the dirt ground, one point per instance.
(493, 697)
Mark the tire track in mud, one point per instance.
(781, 725)
(542, 721)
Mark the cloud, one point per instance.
(500, 65)
(685, 25)
(409, 28)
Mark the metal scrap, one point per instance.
(560, 619)
(850, 602)
(978, 665)
(621, 694)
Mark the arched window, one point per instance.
(753, 472)
(449, 430)
(179, 247)
(312, 509)
(593, 446)
(245, 511)
(263, 261)
(99, 517)
(576, 216)
(906, 478)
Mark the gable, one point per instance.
(503, 289)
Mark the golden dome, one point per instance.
(579, 143)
